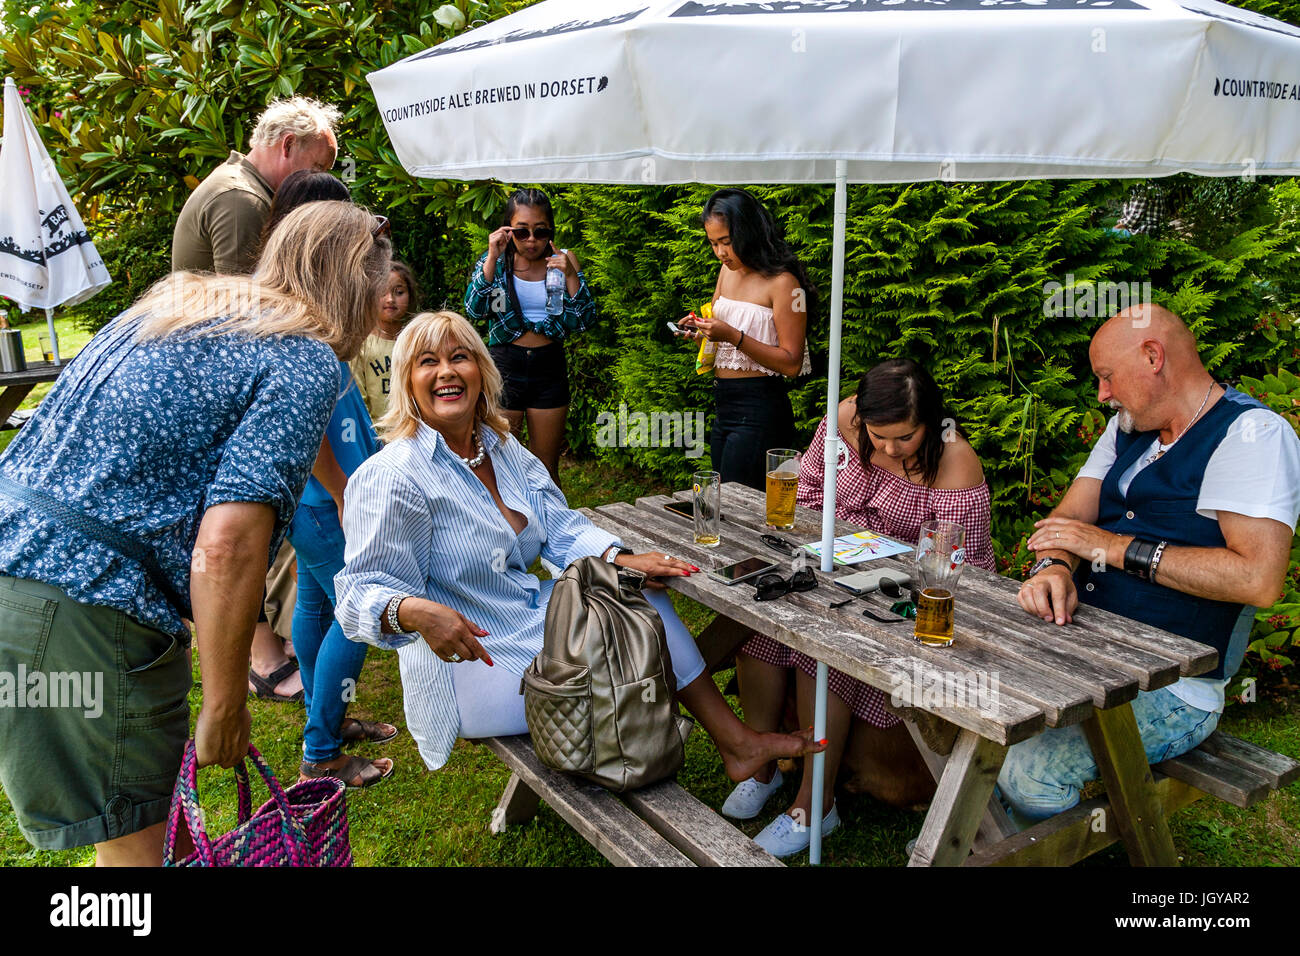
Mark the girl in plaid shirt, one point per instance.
(905, 462)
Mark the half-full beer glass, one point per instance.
(940, 557)
(707, 487)
(782, 486)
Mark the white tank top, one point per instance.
(757, 322)
(532, 299)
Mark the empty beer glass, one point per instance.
(940, 557)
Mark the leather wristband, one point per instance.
(1137, 558)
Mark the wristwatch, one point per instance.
(1043, 563)
(613, 551)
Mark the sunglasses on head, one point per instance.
(382, 228)
(771, 586)
(541, 233)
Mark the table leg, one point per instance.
(517, 804)
(960, 803)
(1122, 761)
(11, 398)
(995, 826)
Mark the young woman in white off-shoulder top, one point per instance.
(761, 305)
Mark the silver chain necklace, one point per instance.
(1162, 448)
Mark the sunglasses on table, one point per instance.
(771, 586)
(777, 543)
(541, 233)
(382, 228)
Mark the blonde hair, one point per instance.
(300, 115)
(319, 276)
(429, 332)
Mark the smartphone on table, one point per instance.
(684, 508)
(742, 570)
(864, 582)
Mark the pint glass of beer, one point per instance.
(782, 486)
(940, 558)
(707, 488)
(934, 617)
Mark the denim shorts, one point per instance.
(94, 715)
(533, 377)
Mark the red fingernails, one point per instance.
(824, 741)
(694, 568)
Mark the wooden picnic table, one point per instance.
(15, 386)
(1036, 675)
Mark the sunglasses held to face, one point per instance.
(541, 233)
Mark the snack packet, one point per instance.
(708, 349)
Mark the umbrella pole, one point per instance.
(54, 338)
(831, 459)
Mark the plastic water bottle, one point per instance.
(555, 290)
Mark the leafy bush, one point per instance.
(136, 255)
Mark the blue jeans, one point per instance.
(330, 663)
(1043, 775)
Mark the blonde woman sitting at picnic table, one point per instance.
(917, 467)
(442, 526)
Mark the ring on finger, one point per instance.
(455, 658)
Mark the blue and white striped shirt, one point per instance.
(419, 522)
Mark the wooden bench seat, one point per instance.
(658, 825)
(1236, 771)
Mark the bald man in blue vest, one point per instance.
(1181, 518)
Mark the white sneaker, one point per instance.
(747, 800)
(784, 837)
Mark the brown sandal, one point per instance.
(357, 774)
(355, 730)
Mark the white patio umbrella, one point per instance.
(46, 256)
(674, 91)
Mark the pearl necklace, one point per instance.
(1162, 448)
(477, 459)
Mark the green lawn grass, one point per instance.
(419, 818)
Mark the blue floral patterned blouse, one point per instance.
(146, 436)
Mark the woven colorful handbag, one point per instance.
(307, 825)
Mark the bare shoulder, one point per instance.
(959, 467)
(847, 424)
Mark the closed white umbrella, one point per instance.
(46, 256)
(673, 91)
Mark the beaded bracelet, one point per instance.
(391, 613)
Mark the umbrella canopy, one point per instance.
(670, 91)
(46, 256)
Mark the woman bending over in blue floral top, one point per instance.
(508, 288)
(152, 485)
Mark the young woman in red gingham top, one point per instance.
(918, 468)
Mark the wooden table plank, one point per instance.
(1242, 786)
(960, 802)
(1156, 658)
(1117, 748)
(1280, 769)
(842, 642)
(704, 836)
(604, 821)
(1064, 700)
(1076, 834)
